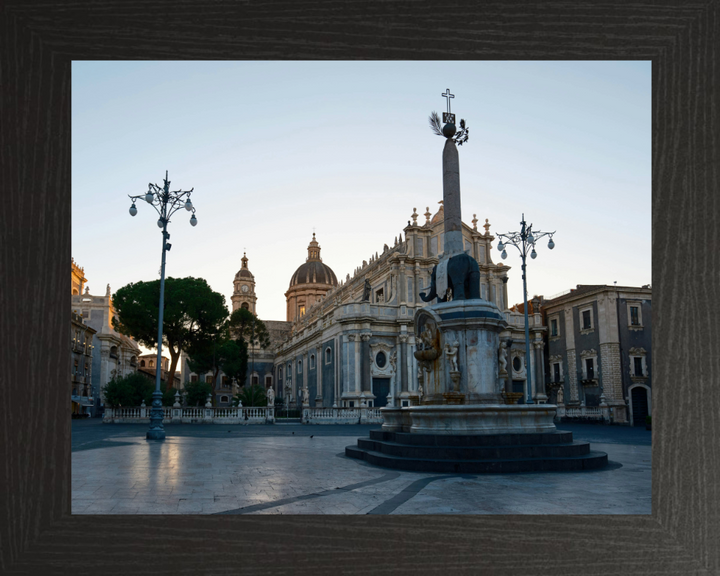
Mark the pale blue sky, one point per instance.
(274, 149)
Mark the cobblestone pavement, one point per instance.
(296, 469)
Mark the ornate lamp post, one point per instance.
(166, 203)
(523, 240)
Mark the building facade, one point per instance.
(112, 353)
(81, 359)
(599, 350)
(353, 345)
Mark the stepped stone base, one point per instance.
(470, 419)
(481, 453)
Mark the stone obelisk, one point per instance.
(451, 200)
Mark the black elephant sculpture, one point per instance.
(463, 274)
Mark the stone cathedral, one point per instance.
(350, 343)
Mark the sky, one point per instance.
(275, 150)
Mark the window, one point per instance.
(245, 306)
(255, 379)
(351, 404)
(142, 363)
(299, 366)
(208, 379)
(556, 372)
(586, 320)
(381, 359)
(301, 310)
(312, 361)
(554, 327)
(193, 378)
(634, 311)
(637, 361)
(152, 363)
(517, 364)
(280, 373)
(634, 316)
(223, 398)
(379, 296)
(590, 368)
(433, 246)
(328, 355)
(225, 382)
(268, 381)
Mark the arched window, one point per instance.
(312, 361)
(142, 363)
(152, 363)
(328, 355)
(223, 398)
(268, 380)
(255, 379)
(245, 305)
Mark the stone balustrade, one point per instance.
(244, 415)
(584, 412)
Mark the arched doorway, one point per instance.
(639, 405)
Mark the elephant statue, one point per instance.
(463, 277)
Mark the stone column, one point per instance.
(402, 364)
(539, 377)
(451, 199)
(506, 304)
(365, 363)
(319, 363)
(402, 282)
(354, 338)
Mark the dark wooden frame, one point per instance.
(38, 41)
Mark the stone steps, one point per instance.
(476, 452)
(496, 453)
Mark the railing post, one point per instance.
(143, 410)
(208, 410)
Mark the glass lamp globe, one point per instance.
(133, 210)
(504, 254)
(500, 246)
(533, 254)
(530, 238)
(193, 220)
(551, 244)
(188, 205)
(160, 223)
(149, 197)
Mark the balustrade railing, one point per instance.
(242, 415)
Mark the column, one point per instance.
(356, 370)
(402, 363)
(402, 282)
(365, 362)
(539, 376)
(451, 200)
(319, 363)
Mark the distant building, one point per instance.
(112, 353)
(147, 365)
(81, 346)
(599, 345)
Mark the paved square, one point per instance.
(300, 469)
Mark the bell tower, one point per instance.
(244, 289)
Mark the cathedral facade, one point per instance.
(350, 343)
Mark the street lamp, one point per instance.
(524, 240)
(166, 203)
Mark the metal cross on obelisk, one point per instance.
(448, 117)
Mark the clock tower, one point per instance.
(244, 289)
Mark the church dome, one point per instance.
(313, 271)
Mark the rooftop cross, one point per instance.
(448, 96)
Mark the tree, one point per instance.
(196, 393)
(219, 352)
(245, 326)
(132, 390)
(193, 311)
(254, 395)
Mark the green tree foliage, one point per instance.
(219, 352)
(192, 312)
(245, 325)
(254, 395)
(133, 389)
(129, 390)
(196, 393)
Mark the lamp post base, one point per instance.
(155, 435)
